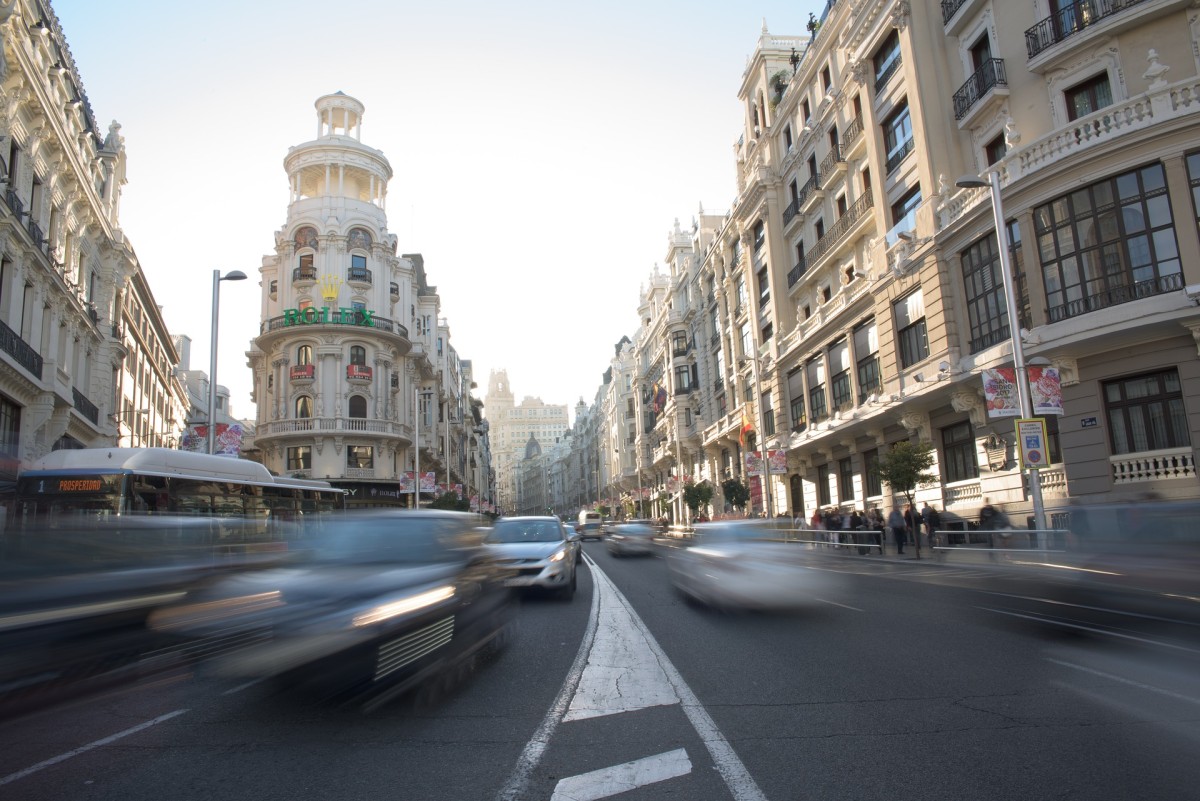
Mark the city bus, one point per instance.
(159, 489)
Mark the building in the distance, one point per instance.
(511, 427)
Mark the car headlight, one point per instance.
(403, 606)
(558, 555)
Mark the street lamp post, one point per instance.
(232, 275)
(765, 478)
(1014, 332)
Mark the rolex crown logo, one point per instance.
(330, 284)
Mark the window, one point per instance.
(767, 331)
(897, 136)
(909, 312)
(866, 353)
(1193, 168)
(823, 496)
(826, 80)
(764, 288)
(358, 355)
(360, 456)
(760, 234)
(306, 271)
(1146, 413)
(904, 210)
(787, 138)
(819, 229)
(995, 150)
(958, 451)
(357, 406)
(871, 473)
(683, 379)
(303, 407)
(805, 110)
(768, 415)
(1108, 243)
(299, 457)
(744, 339)
(10, 429)
(1091, 95)
(886, 59)
(816, 389)
(304, 355)
(679, 343)
(841, 205)
(812, 167)
(984, 285)
(795, 384)
(839, 383)
(358, 266)
(740, 292)
(845, 479)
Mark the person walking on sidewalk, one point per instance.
(932, 521)
(875, 521)
(896, 523)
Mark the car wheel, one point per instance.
(568, 592)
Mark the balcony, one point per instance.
(1125, 293)
(980, 91)
(810, 192)
(24, 354)
(897, 158)
(792, 210)
(85, 406)
(394, 291)
(302, 372)
(1132, 468)
(889, 70)
(1070, 21)
(985, 341)
(794, 274)
(14, 202)
(840, 229)
(359, 275)
(301, 274)
(35, 233)
(358, 372)
(832, 166)
(332, 318)
(851, 138)
(949, 8)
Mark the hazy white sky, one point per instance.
(541, 153)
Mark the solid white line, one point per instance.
(835, 603)
(741, 785)
(515, 788)
(12, 777)
(1130, 682)
(623, 778)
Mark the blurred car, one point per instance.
(383, 602)
(539, 551)
(742, 564)
(631, 538)
(76, 593)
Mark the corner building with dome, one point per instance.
(352, 363)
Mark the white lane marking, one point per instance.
(622, 674)
(518, 780)
(1130, 682)
(835, 603)
(741, 785)
(21, 774)
(241, 687)
(623, 778)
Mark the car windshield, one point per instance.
(525, 531)
(391, 540)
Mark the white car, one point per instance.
(743, 564)
(538, 551)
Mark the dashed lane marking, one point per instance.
(608, 782)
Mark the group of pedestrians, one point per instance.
(905, 526)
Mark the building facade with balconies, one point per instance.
(68, 276)
(353, 372)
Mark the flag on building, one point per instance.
(659, 399)
(747, 427)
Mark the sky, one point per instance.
(541, 153)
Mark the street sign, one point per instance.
(1032, 440)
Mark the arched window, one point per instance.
(358, 406)
(304, 355)
(303, 407)
(358, 355)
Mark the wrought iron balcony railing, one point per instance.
(12, 344)
(949, 8)
(839, 230)
(989, 75)
(1115, 296)
(304, 274)
(1070, 20)
(85, 406)
(794, 274)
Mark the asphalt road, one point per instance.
(898, 684)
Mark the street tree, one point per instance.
(697, 496)
(736, 493)
(905, 467)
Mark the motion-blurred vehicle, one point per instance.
(631, 538)
(539, 551)
(590, 525)
(742, 564)
(382, 603)
(77, 589)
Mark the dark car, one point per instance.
(384, 602)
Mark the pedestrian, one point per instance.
(816, 524)
(875, 521)
(912, 519)
(896, 523)
(933, 522)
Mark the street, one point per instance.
(906, 685)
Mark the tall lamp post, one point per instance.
(1014, 331)
(232, 275)
(765, 478)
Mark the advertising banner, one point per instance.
(777, 459)
(428, 482)
(1000, 392)
(407, 481)
(1045, 390)
(228, 440)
